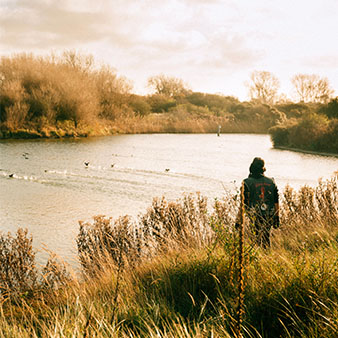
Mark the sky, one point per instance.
(212, 45)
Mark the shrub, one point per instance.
(18, 271)
(213, 102)
(185, 220)
(312, 132)
(187, 110)
(53, 89)
(279, 135)
(331, 109)
(105, 242)
(139, 105)
(308, 131)
(295, 110)
(112, 92)
(160, 103)
(17, 263)
(123, 242)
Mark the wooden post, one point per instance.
(219, 130)
(240, 309)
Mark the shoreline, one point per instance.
(69, 135)
(62, 134)
(306, 151)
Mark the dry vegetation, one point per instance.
(308, 126)
(174, 272)
(70, 96)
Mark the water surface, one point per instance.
(52, 189)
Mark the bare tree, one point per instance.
(264, 86)
(107, 80)
(85, 63)
(113, 91)
(311, 88)
(168, 86)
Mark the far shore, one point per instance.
(306, 151)
(25, 134)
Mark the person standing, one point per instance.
(261, 202)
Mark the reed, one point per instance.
(240, 310)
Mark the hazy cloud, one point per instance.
(325, 61)
(194, 39)
(164, 28)
(45, 25)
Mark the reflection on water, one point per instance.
(51, 187)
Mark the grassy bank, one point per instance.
(173, 272)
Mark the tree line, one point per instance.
(309, 124)
(307, 88)
(69, 94)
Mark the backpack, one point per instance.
(260, 195)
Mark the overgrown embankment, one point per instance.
(173, 272)
(70, 96)
(308, 127)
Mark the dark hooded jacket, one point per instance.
(260, 194)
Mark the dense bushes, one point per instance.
(311, 132)
(69, 95)
(60, 96)
(216, 103)
(310, 126)
(297, 110)
(41, 92)
(330, 109)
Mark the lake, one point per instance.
(51, 188)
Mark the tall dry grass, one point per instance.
(174, 272)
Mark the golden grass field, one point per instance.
(174, 272)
